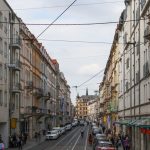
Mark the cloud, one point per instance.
(76, 70)
(89, 69)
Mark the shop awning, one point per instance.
(123, 122)
(143, 123)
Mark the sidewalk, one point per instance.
(30, 144)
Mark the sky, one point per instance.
(78, 61)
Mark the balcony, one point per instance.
(16, 87)
(40, 93)
(29, 85)
(15, 66)
(16, 42)
(35, 111)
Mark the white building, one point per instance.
(92, 110)
(9, 63)
(134, 73)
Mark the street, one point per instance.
(72, 140)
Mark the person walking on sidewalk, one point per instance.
(39, 136)
(36, 136)
(20, 142)
(1, 143)
(126, 143)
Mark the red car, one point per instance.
(104, 145)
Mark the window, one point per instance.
(5, 76)
(1, 20)
(127, 63)
(1, 46)
(5, 99)
(1, 98)
(142, 3)
(17, 101)
(1, 71)
(5, 49)
(137, 14)
(5, 25)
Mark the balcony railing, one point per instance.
(33, 110)
(29, 84)
(16, 42)
(15, 66)
(16, 87)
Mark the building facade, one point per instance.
(130, 89)
(30, 81)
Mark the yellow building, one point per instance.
(81, 108)
(82, 105)
(109, 87)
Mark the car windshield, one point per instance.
(104, 144)
(56, 128)
(100, 135)
(53, 132)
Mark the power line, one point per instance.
(76, 24)
(59, 6)
(56, 18)
(91, 78)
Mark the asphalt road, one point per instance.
(72, 140)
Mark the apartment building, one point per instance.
(134, 73)
(132, 86)
(4, 70)
(109, 87)
(82, 105)
(92, 110)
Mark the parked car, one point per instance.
(68, 127)
(96, 130)
(99, 137)
(82, 122)
(63, 130)
(58, 129)
(74, 124)
(104, 145)
(51, 135)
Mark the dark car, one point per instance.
(96, 130)
(82, 122)
(99, 138)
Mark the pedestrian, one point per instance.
(20, 142)
(112, 140)
(39, 136)
(103, 128)
(1, 143)
(117, 142)
(126, 143)
(36, 136)
(25, 138)
(90, 139)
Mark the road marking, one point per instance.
(86, 140)
(76, 142)
(64, 138)
(67, 144)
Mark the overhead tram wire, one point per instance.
(91, 78)
(60, 6)
(104, 68)
(56, 19)
(75, 24)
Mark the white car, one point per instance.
(52, 135)
(58, 129)
(68, 127)
(63, 130)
